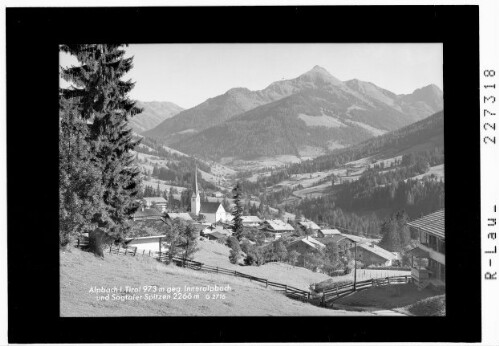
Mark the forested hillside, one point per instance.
(422, 135)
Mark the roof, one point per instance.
(359, 239)
(209, 207)
(217, 235)
(418, 252)
(182, 216)
(251, 218)
(198, 226)
(432, 223)
(378, 251)
(335, 238)
(148, 237)
(310, 242)
(154, 199)
(151, 212)
(330, 231)
(279, 225)
(309, 224)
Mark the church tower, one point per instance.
(195, 199)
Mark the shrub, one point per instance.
(234, 256)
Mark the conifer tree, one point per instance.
(80, 190)
(237, 212)
(102, 101)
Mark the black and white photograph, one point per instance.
(266, 173)
(252, 180)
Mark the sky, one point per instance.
(189, 74)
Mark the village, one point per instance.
(423, 260)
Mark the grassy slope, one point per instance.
(433, 306)
(387, 297)
(80, 271)
(216, 254)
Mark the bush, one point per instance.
(234, 256)
(255, 257)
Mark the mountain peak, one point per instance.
(238, 91)
(320, 74)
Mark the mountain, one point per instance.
(306, 116)
(422, 101)
(420, 104)
(424, 135)
(235, 101)
(153, 114)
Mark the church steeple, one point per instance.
(195, 199)
(196, 181)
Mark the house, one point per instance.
(182, 216)
(428, 253)
(323, 233)
(155, 202)
(359, 239)
(212, 211)
(251, 221)
(219, 237)
(309, 226)
(305, 245)
(277, 227)
(371, 254)
(344, 243)
(147, 214)
(216, 228)
(152, 243)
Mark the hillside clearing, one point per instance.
(386, 297)
(216, 254)
(80, 271)
(437, 171)
(433, 306)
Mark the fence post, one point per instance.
(323, 303)
(217, 270)
(135, 252)
(235, 273)
(286, 288)
(266, 283)
(337, 291)
(388, 280)
(149, 253)
(126, 251)
(143, 252)
(78, 245)
(308, 296)
(372, 282)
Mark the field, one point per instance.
(438, 171)
(386, 297)
(433, 306)
(80, 271)
(216, 254)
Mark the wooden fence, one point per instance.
(328, 296)
(163, 257)
(287, 289)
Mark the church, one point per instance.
(213, 211)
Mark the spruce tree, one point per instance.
(80, 190)
(101, 97)
(237, 212)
